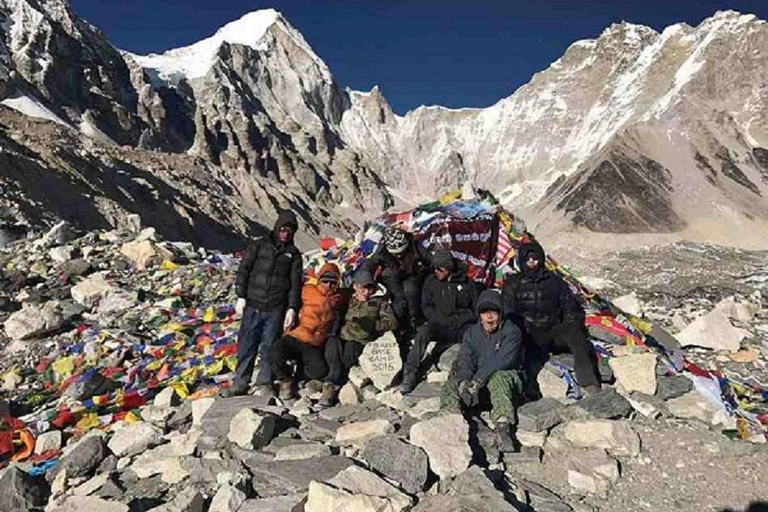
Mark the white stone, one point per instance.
(34, 321)
(58, 234)
(90, 291)
(596, 284)
(323, 498)
(693, 406)
(381, 361)
(134, 438)
(199, 408)
(358, 377)
(11, 380)
(424, 407)
(92, 485)
(359, 481)
(227, 499)
(617, 437)
(358, 433)
(635, 372)
(144, 254)
(552, 386)
(740, 311)
(592, 471)
(302, 451)
(48, 441)
(528, 438)
(88, 504)
(438, 377)
(713, 330)
(349, 394)
(61, 254)
(167, 398)
(629, 304)
(356, 490)
(251, 431)
(445, 439)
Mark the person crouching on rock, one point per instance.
(403, 263)
(268, 287)
(542, 302)
(321, 303)
(489, 366)
(448, 303)
(368, 316)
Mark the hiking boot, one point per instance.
(505, 438)
(286, 390)
(328, 395)
(408, 384)
(234, 390)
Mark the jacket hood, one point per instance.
(285, 218)
(522, 256)
(489, 299)
(330, 268)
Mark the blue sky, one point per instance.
(454, 53)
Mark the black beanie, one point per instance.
(443, 259)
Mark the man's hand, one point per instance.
(469, 391)
(290, 319)
(239, 307)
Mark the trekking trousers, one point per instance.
(341, 355)
(431, 331)
(568, 337)
(258, 330)
(309, 358)
(504, 391)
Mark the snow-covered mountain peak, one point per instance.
(194, 61)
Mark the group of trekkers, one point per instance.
(506, 336)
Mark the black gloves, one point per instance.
(469, 392)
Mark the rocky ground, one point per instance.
(156, 315)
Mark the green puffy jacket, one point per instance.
(376, 312)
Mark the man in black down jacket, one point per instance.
(448, 303)
(543, 303)
(489, 361)
(268, 288)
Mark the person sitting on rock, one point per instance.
(542, 303)
(489, 367)
(448, 302)
(268, 287)
(402, 264)
(321, 303)
(367, 317)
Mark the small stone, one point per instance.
(275, 478)
(406, 464)
(438, 377)
(302, 451)
(250, 430)
(526, 455)
(673, 387)
(355, 489)
(349, 394)
(88, 503)
(227, 499)
(358, 377)
(381, 361)
(551, 385)
(135, 438)
(187, 500)
(617, 437)
(357, 434)
(144, 254)
(648, 406)
(635, 372)
(603, 405)
(90, 291)
(62, 253)
(693, 405)
(592, 471)
(445, 439)
(629, 304)
(448, 357)
(539, 415)
(48, 441)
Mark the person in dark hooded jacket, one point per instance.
(448, 303)
(542, 303)
(268, 287)
(490, 359)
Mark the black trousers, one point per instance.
(443, 335)
(563, 337)
(341, 355)
(406, 296)
(309, 358)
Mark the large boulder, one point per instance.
(20, 492)
(34, 321)
(446, 441)
(144, 253)
(635, 372)
(250, 430)
(381, 361)
(540, 415)
(358, 433)
(713, 330)
(91, 290)
(355, 489)
(617, 437)
(134, 438)
(81, 459)
(406, 464)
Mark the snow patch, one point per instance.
(194, 61)
(91, 130)
(32, 108)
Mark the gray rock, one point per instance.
(343, 412)
(539, 415)
(448, 357)
(672, 387)
(357, 489)
(406, 464)
(542, 499)
(227, 499)
(617, 437)
(250, 430)
(34, 321)
(82, 459)
(446, 441)
(20, 492)
(204, 472)
(187, 500)
(146, 489)
(526, 455)
(303, 451)
(48, 441)
(75, 268)
(215, 421)
(457, 503)
(606, 404)
(134, 438)
(359, 433)
(277, 478)
(90, 291)
(167, 398)
(83, 503)
(276, 504)
(592, 471)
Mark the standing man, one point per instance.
(403, 264)
(268, 289)
(554, 321)
(368, 316)
(448, 303)
(490, 358)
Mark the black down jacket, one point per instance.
(450, 304)
(269, 277)
(415, 261)
(539, 297)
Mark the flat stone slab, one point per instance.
(215, 422)
(276, 504)
(539, 415)
(278, 478)
(606, 404)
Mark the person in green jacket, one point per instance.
(367, 317)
